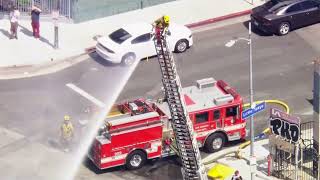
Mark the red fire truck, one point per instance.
(138, 130)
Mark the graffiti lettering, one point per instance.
(289, 131)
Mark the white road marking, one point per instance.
(86, 95)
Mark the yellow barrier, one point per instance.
(283, 104)
(220, 171)
(267, 130)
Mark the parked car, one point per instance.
(136, 40)
(280, 17)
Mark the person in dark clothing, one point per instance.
(35, 21)
(236, 176)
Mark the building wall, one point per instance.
(84, 10)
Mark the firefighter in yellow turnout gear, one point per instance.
(67, 133)
(162, 22)
(161, 25)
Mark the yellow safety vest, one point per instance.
(67, 130)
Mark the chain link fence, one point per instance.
(79, 10)
(302, 165)
(24, 6)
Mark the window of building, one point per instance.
(202, 117)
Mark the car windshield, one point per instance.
(119, 36)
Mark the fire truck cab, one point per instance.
(139, 130)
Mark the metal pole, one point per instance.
(316, 115)
(56, 24)
(296, 161)
(252, 157)
(69, 9)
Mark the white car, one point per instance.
(136, 40)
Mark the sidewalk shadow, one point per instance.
(29, 33)
(26, 31)
(256, 30)
(5, 32)
(42, 39)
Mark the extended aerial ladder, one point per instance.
(192, 167)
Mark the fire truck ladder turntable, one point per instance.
(192, 167)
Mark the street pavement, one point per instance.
(282, 70)
(75, 38)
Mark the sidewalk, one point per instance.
(261, 153)
(75, 38)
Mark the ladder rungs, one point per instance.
(184, 133)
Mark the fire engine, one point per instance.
(138, 130)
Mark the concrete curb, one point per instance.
(18, 72)
(23, 71)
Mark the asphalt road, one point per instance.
(282, 70)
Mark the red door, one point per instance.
(232, 115)
(217, 119)
(201, 121)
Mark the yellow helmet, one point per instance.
(166, 19)
(66, 118)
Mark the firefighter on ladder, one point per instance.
(160, 25)
(67, 133)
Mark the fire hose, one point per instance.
(265, 131)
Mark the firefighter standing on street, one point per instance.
(67, 133)
(161, 24)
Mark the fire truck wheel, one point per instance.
(215, 142)
(181, 46)
(136, 160)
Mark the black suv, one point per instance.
(281, 16)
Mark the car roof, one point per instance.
(139, 28)
(282, 3)
(287, 2)
(136, 29)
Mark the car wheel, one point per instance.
(215, 142)
(136, 160)
(128, 59)
(284, 28)
(181, 46)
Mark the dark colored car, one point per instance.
(282, 16)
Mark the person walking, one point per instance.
(14, 16)
(35, 21)
(67, 133)
(236, 176)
